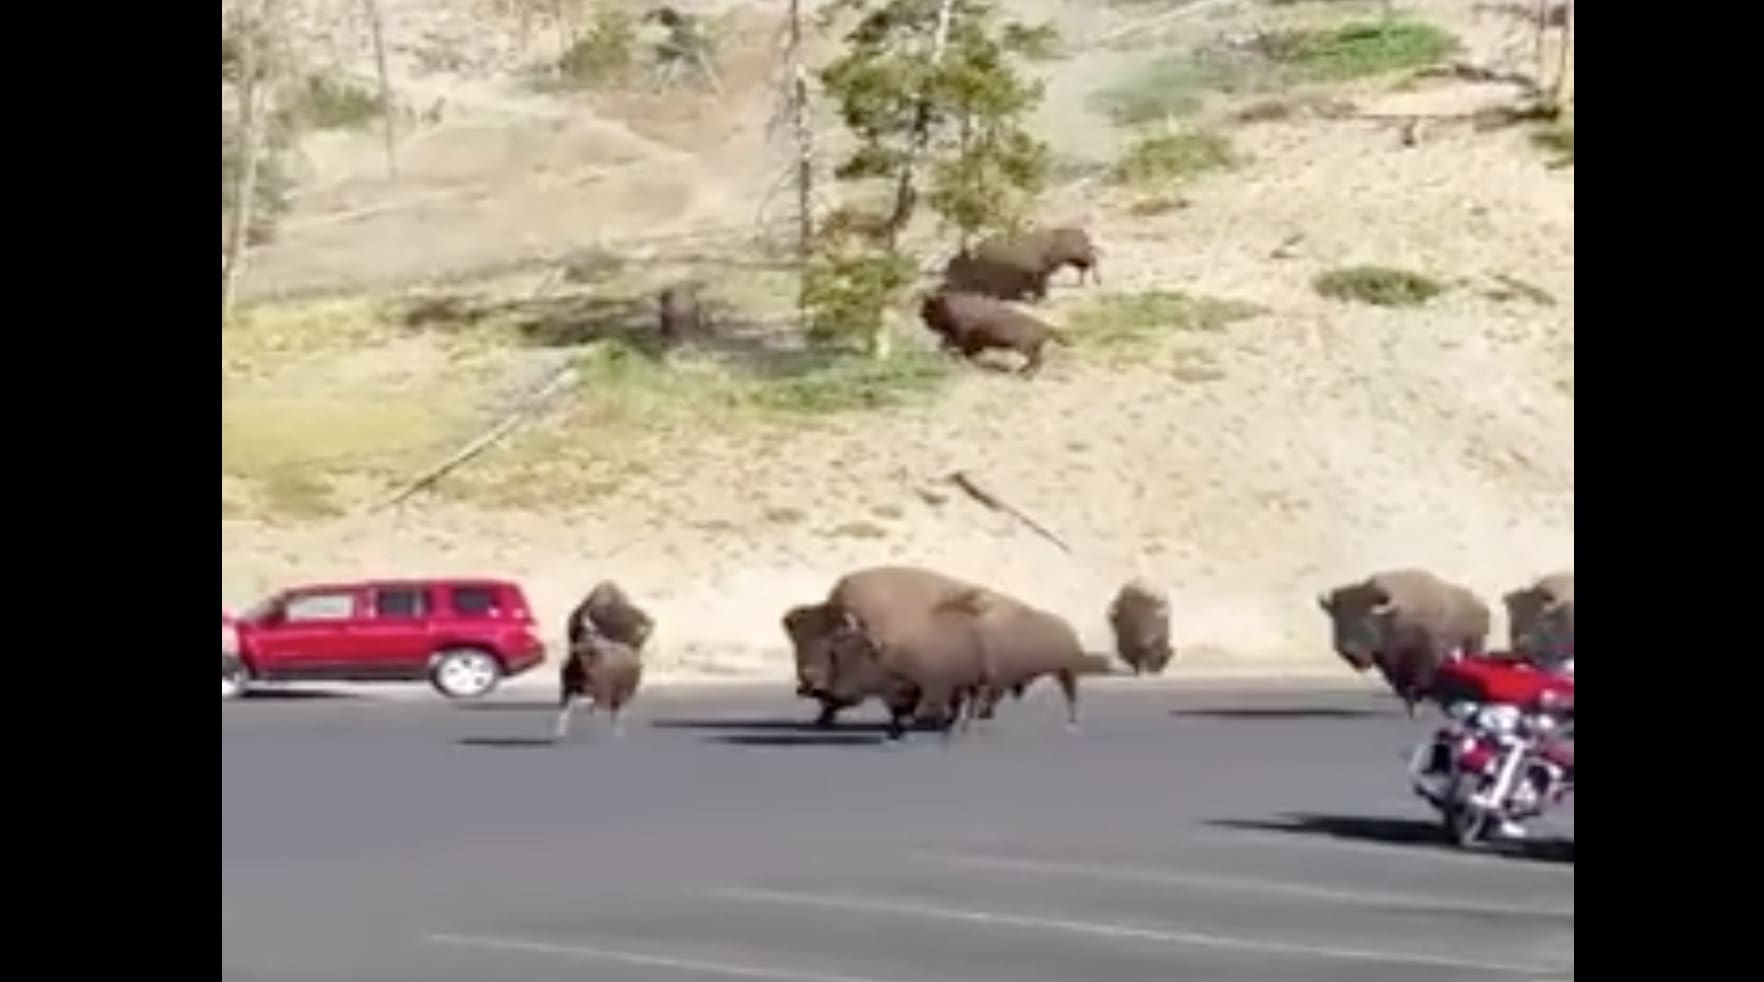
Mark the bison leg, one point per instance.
(1069, 688)
(829, 713)
(561, 728)
(1031, 361)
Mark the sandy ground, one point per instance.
(1245, 469)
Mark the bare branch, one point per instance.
(377, 26)
(970, 487)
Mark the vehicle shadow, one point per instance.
(294, 695)
(1416, 832)
(1282, 712)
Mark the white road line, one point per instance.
(1248, 885)
(928, 911)
(588, 953)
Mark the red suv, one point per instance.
(463, 636)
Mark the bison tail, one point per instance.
(1096, 665)
(1059, 337)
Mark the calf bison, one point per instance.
(1540, 620)
(971, 323)
(1405, 622)
(1018, 266)
(608, 613)
(1140, 619)
(604, 671)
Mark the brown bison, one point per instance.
(608, 613)
(1022, 643)
(679, 313)
(1018, 266)
(971, 323)
(1407, 623)
(1140, 619)
(1540, 620)
(872, 623)
(604, 671)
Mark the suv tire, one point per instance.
(234, 677)
(465, 673)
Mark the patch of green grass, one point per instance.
(1179, 85)
(1357, 50)
(845, 382)
(1174, 156)
(295, 493)
(606, 54)
(330, 103)
(1125, 319)
(1380, 285)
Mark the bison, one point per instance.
(606, 672)
(1140, 619)
(844, 644)
(1540, 620)
(608, 613)
(1406, 623)
(1018, 266)
(1022, 643)
(679, 314)
(971, 323)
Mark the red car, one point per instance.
(463, 636)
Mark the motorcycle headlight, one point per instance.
(1500, 719)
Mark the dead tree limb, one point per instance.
(557, 384)
(1561, 86)
(804, 135)
(376, 25)
(972, 489)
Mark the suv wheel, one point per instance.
(464, 673)
(234, 677)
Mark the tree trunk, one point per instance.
(255, 36)
(1561, 86)
(805, 162)
(905, 194)
(377, 25)
(1540, 28)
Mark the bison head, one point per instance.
(1072, 247)
(1540, 622)
(1359, 616)
(830, 648)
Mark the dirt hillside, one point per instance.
(1245, 460)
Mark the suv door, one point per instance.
(307, 635)
(396, 637)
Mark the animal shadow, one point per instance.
(808, 738)
(508, 742)
(1279, 712)
(1416, 832)
(766, 724)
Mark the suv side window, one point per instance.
(401, 603)
(476, 601)
(309, 607)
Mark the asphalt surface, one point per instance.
(1193, 835)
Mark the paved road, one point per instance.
(1193, 835)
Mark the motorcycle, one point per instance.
(1505, 756)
